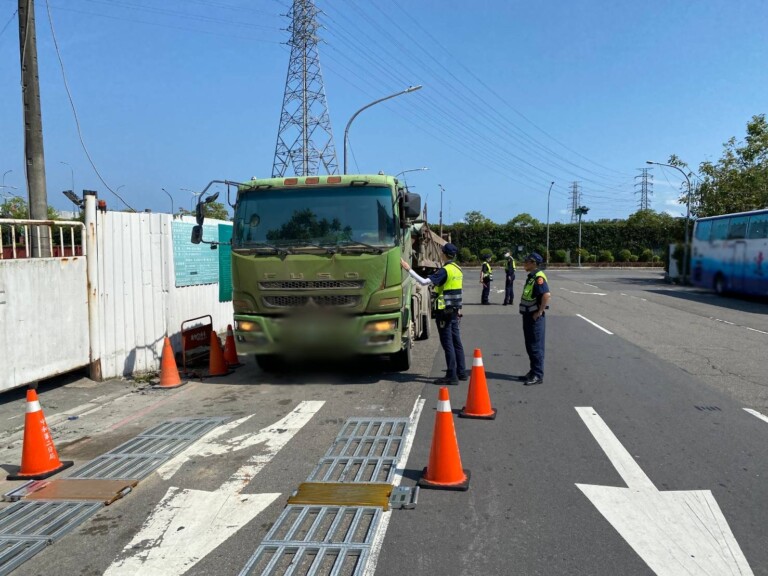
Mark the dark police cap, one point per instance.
(534, 257)
(450, 249)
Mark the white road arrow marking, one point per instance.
(188, 524)
(682, 532)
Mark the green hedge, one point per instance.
(613, 236)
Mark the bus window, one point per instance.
(703, 230)
(737, 229)
(758, 226)
(720, 229)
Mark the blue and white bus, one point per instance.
(729, 253)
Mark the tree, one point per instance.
(476, 218)
(650, 219)
(738, 182)
(524, 219)
(16, 207)
(216, 211)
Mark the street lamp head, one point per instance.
(413, 88)
(650, 162)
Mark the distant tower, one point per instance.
(646, 188)
(575, 201)
(304, 139)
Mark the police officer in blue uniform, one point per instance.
(447, 310)
(533, 304)
(509, 279)
(486, 277)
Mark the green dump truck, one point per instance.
(316, 267)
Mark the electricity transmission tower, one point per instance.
(304, 139)
(646, 188)
(575, 201)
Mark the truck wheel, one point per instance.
(269, 362)
(401, 361)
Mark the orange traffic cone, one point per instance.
(38, 456)
(216, 365)
(478, 402)
(169, 373)
(230, 350)
(444, 470)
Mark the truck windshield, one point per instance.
(315, 216)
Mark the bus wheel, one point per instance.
(720, 284)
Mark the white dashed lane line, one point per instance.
(595, 325)
(737, 325)
(757, 414)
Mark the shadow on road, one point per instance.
(753, 304)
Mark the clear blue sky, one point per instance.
(176, 93)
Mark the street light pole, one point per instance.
(687, 215)
(71, 173)
(581, 210)
(548, 193)
(194, 196)
(412, 170)
(171, 197)
(346, 130)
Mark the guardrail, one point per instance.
(25, 238)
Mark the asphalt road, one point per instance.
(660, 374)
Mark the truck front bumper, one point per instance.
(326, 334)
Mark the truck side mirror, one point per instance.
(197, 234)
(411, 205)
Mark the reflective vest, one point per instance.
(449, 294)
(511, 267)
(487, 272)
(528, 301)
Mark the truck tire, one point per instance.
(401, 361)
(269, 362)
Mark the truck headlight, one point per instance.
(245, 326)
(381, 326)
(388, 302)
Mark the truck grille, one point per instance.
(312, 285)
(340, 301)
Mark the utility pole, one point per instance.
(580, 211)
(33, 129)
(441, 209)
(575, 200)
(304, 138)
(646, 188)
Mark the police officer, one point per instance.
(509, 280)
(486, 276)
(533, 303)
(447, 310)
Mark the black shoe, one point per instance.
(504, 303)
(533, 380)
(447, 381)
(485, 303)
(525, 378)
(463, 377)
